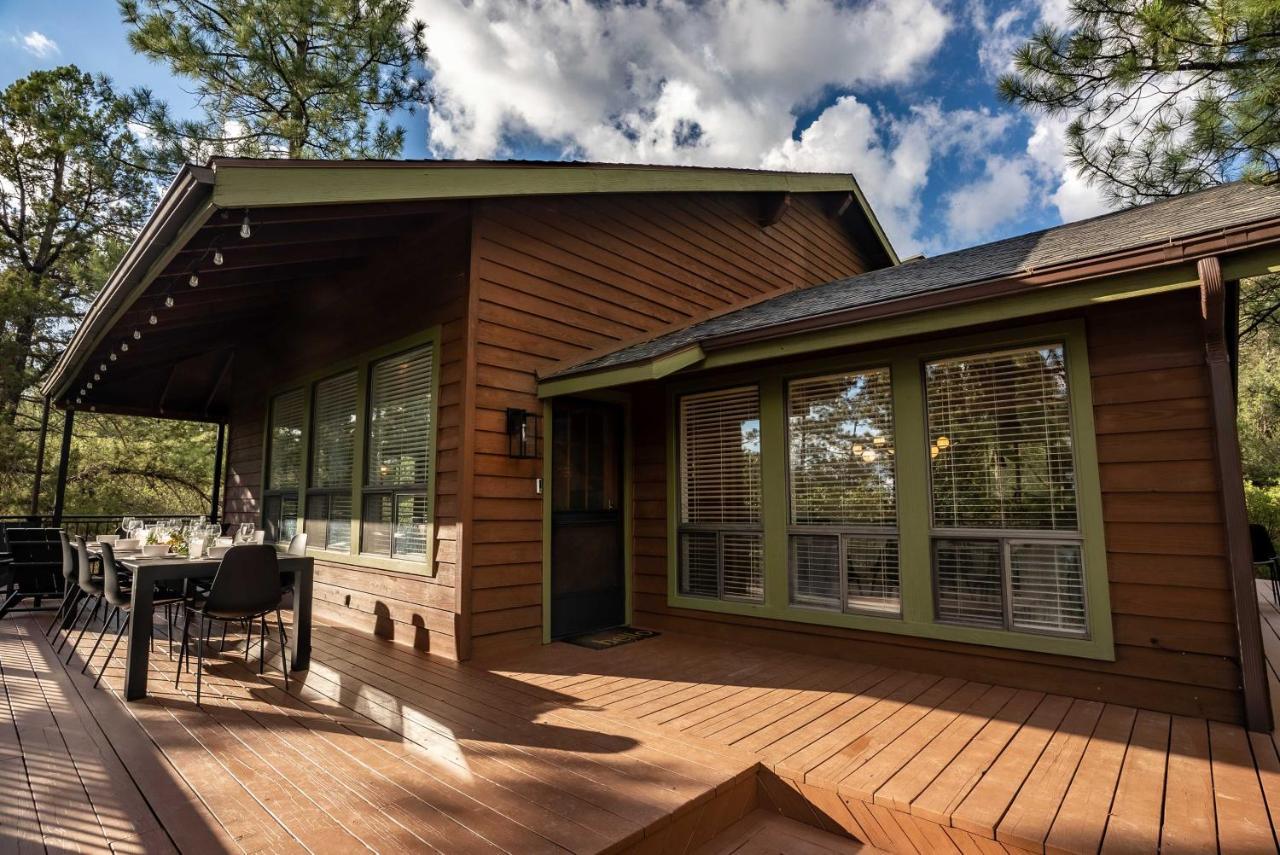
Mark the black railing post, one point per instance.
(217, 472)
(64, 459)
(44, 431)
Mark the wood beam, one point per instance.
(164, 391)
(217, 471)
(64, 457)
(270, 256)
(296, 234)
(221, 378)
(44, 432)
(773, 206)
(839, 203)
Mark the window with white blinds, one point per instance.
(396, 510)
(333, 444)
(720, 534)
(843, 543)
(284, 465)
(1006, 551)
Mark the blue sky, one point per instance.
(899, 92)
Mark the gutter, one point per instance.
(185, 205)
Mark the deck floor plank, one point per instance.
(1082, 817)
(1136, 812)
(1189, 818)
(1243, 822)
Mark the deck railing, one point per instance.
(85, 525)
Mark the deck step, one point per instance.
(762, 832)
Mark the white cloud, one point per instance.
(1073, 196)
(37, 43)
(977, 210)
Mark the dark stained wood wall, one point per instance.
(414, 283)
(556, 278)
(1170, 591)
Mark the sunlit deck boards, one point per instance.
(921, 762)
(376, 747)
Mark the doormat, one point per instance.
(608, 638)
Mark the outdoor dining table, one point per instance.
(148, 571)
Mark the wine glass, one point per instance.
(246, 532)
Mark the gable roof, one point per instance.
(1164, 222)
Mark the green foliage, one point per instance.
(1259, 406)
(295, 78)
(1263, 504)
(1164, 96)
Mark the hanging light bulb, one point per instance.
(78, 400)
(194, 280)
(245, 231)
(124, 347)
(113, 356)
(168, 302)
(153, 320)
(869, 456)
(102, 367)
(933, 451)
(217, 257)
(879, 440)
(137, 335)
(89, 385)
(943, 442)
(97, 376)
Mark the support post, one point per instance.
(44, 432)
(217, 472)
(64, 459)
(1213, 307)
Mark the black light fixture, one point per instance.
(522, 433)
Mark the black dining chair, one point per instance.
(246, 588)
(70, 590)
(36, 569)
(119, 601)
(91, 588)
(1264, 555)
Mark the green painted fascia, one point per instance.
(361, 364)
(906, 363)
(663, 366)
(245, 185)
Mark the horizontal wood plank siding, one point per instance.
(559, 278)
(419, 282)
(1170, 592)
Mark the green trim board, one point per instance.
(663, 366)
(362, 364)
(912, 479)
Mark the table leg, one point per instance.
(301, 653)
(135, 669)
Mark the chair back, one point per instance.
(247, 582)
(85, 569)
(111, 578)
(1260, 540)
(297, 544)
(68, 559)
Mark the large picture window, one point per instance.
(396, 512)
(842, 538)
(720, 534)
(284, 466)
(1006, 538)
(333, 449)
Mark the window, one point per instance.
(1006, 540)
(720, 534)
(398, 456)
(284, 466)
(333, 443)
(842, 539)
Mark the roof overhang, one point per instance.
(1248, 251)
(230, 185)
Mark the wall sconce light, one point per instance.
(522, 433)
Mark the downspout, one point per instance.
(1213, 312)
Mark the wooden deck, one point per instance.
(672, 744)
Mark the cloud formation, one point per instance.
(37, 44)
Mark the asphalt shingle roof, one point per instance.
(1169, 219)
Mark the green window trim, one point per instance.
(362, 364)
(914, 516)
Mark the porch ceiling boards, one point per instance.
(180, 366)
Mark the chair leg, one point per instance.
(61, 612)
(262, 644)
(97, 604)
(71, 627)
(112, 652)
(183, 654)
(284, 655)
(222, 645)
(115, 610)
(248, 641)
(200, 657)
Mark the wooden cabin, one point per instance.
(513, 402)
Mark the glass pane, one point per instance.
(285, 452)
(871, 571)
(411, 527)
(333, 432)
(720, 457)
(400, 413)
(842, 450)
(815, 570)
(317, 520)
(699, 568)
(585, 459)
(743, 566)
(271, 518)
(288, 516)
(338, 535)
(967, 582)
(375, 525)
(1046, 587)
(1000, 441)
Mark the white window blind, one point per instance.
(284, 469)
(396, 511)
(333, 434)
(1006, 550)
(721, 548)
(843, 494)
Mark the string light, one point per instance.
(137, 335)
(245, 231)
(217, 257)
(194, 280)
(153, 320)
(113, 356)
(97, 376)
(168, 302)
(78, 400)
(102, 367)
(89, 385)
(124, 347)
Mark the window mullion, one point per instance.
(912, 473)
(774, 493)
(359, 468)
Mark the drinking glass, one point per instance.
(246, 532)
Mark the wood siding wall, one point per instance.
(418, 282)
(1170, 591)
(554, 279)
